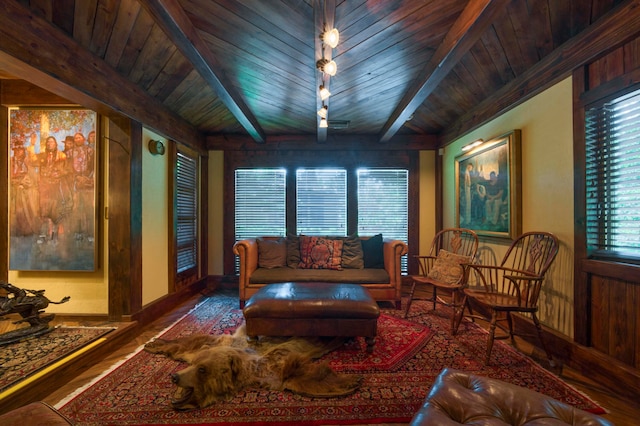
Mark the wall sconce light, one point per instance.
(331, 38)
(327, 67)
(324, 93)
(323, 123)
(472, 145)
(322, 112)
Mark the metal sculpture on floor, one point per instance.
(30, 305)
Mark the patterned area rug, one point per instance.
(20, 360)
(138, 390)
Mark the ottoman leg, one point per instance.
(370, 341)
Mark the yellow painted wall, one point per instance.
(427, 182)
(547, 188)
(155, 221)
(215, 247)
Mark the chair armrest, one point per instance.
(247, 251)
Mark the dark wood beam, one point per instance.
(38, 52)
(333, 142)
(174, 20)
(473, 21)
(613, 29)
(324, 13)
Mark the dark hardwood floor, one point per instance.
(620, 411)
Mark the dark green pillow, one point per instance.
(352, 254)
(373, 252)
(293, 251)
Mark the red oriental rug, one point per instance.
(397, 376)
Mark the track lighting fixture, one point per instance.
(323, 123)
(324, 93)
(327, 67)
(322, 112)
(331, 38)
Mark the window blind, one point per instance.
(321, 201)
(186, 212)
(383, 204)
(613, 177)
(260, 199)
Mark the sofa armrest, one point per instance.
(393, 251)
(247, 251)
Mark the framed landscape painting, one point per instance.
(488, 188)
(52, 191)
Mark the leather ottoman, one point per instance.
(312, 309)
(458, 398)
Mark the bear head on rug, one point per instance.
(222, 365)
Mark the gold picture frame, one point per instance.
(488, 187)
(52, 191)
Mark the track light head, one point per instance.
(331, 38)
(327, 67)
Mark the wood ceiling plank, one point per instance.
(175, 22)
(173, 72)
(494, 48)
(104, 21)
(157, 50)
(62, 15)
(125, 20)
(85, 14)
(476, 17)
(135, 43)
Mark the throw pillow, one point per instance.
(352, 254)
(372, 249)
(272, 253)
(293, 251)
(447, 268)
(320, 253)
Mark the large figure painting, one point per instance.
(488, 198)
(52, 189)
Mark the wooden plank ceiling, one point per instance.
(243, 72)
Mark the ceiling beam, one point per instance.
(324, 13)
(472, 22)
(334, 142)
(619, 25)
(174, 21)
(36, 51)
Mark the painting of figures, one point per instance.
(488, 186)
(52, 191)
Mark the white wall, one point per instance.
(546, 122)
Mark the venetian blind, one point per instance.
(613, 177)
(186, 212)
(321, 202)
(383, 204)
(260, 203)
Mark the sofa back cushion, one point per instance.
(372, 249)
(272, 253)
(352, 254)
(320, 253)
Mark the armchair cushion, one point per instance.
(447, 268)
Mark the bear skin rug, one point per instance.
(222, 365)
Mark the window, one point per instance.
(321, 202)
(613, 178)
(260, 198)
(323, 205)
(186, 212)
(383, 204)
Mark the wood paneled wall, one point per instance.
(607, 294)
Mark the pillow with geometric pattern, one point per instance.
(447, 268)
(320, 253)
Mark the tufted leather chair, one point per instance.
(459, 398)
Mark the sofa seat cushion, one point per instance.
(285, 274)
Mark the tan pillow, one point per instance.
(272, 253)
(447, 268)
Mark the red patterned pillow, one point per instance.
(320, 253)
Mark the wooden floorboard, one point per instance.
(620, 410)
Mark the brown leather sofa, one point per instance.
(384, 284)
(458, 398)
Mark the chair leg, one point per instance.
(435, 296)
(492, 333)
(544, 346)
(511, 334)
(413, 289)
(458, 311)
